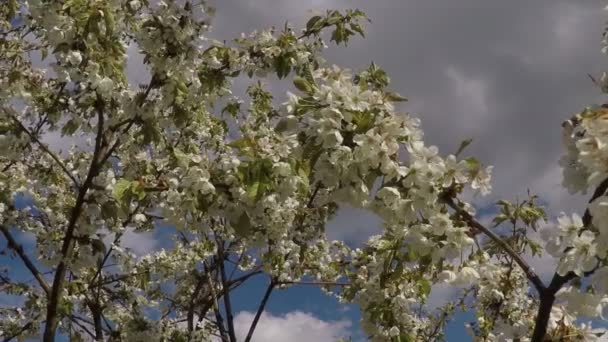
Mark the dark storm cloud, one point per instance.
(506, 73)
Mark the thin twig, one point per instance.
(314, 283)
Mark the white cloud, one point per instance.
(441, 294)
(140, 243)
(353, 225)
(137, 72)
(295, 326)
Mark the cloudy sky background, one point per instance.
(505, 73)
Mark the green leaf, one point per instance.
(108, 17)
(232, 108)
(138, 190)
(282, 125)
(5, 127)
(65, 307)
(62, 47)
(98, 246)
(303, 169)
(499, 219)
(282, 66)
(363, 120)
(109, 209)
(144, 279)
(535, 247)
(394, 97)
(405, 338)
(340, 34)
(150, 132)
(202, 203)
(253, 189)
(242, 143)
(463, 145)
(13, 6)
(181, 158)
(302, 84)
(181, 86)
(473, 163)
(313, 24)
(242, 227)
(357, 28)
(425, 287)
(120, 189)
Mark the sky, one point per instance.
(505, 73)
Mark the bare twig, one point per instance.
(314, 283)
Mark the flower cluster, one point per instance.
(245, 187)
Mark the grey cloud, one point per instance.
(503, 72)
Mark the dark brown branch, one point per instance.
(109, 251)
(12, 243)
(81, 326)
(44, 148)
(216, 307)
(190, 315)
(548, 297)
(21, 331)
(68, 242)
(96, 312)
(258, 314)
(314, 283)
(100, 156)
(530, 274)
(226, 290)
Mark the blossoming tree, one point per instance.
(246, 187)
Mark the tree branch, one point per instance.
(43, 147)
(81, 326)
(530, 274)
(226, 290)
(68, 242)
(12, 243)
(21, 331)
(314, 283)
(548, 298)
(216, 307)
(260, 310)
(190, 315)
